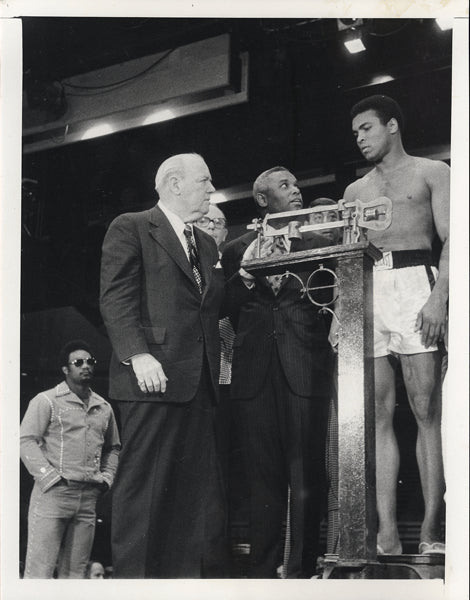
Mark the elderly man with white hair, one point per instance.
(161, 290)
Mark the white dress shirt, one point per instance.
(178, 226)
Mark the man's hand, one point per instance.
(266, 248)
(103, 487)
(149, 372)
(333, 336)
(432, 321)
(251, 253)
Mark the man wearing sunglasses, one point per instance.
(70, 445)
(215, 224)
(328, 216)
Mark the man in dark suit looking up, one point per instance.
(160, 296)
(280, 389)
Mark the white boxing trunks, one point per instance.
(403, 281)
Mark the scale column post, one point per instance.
(356, 412)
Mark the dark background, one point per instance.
(302, 83)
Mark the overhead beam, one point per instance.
(199, 77)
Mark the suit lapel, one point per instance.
(164, 234)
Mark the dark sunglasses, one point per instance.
(78, 362)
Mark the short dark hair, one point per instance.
(71, 347)
(321, 202)
(386, 108)
(259, 186)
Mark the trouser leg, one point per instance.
(284, 444)
(46, 527)
(78, 542)
(305, 424)
(267, 476)
(169, 516)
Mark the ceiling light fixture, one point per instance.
(381, 79)
(354, 44)
(97, 131)
(348, 23)
(160, 115)
(218, 198)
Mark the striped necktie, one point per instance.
(279, 248)
(227, 336)
(194, 258)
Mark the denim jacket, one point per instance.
(60, 437)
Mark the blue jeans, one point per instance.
(61, 529)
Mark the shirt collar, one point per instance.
(270, 229)
(175, 221)
(63, 390)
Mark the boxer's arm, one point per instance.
(432, 318)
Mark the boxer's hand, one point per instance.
(432, 321)
(149, 372)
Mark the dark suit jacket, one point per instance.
(265, 322)
(150, 303)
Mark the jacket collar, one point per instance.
(164, 234)
(63, 390)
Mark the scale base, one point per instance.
(400, 566)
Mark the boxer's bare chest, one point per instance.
(412, 222)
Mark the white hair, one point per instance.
(217, 207)
(174, 165)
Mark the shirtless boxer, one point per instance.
(410, 308)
